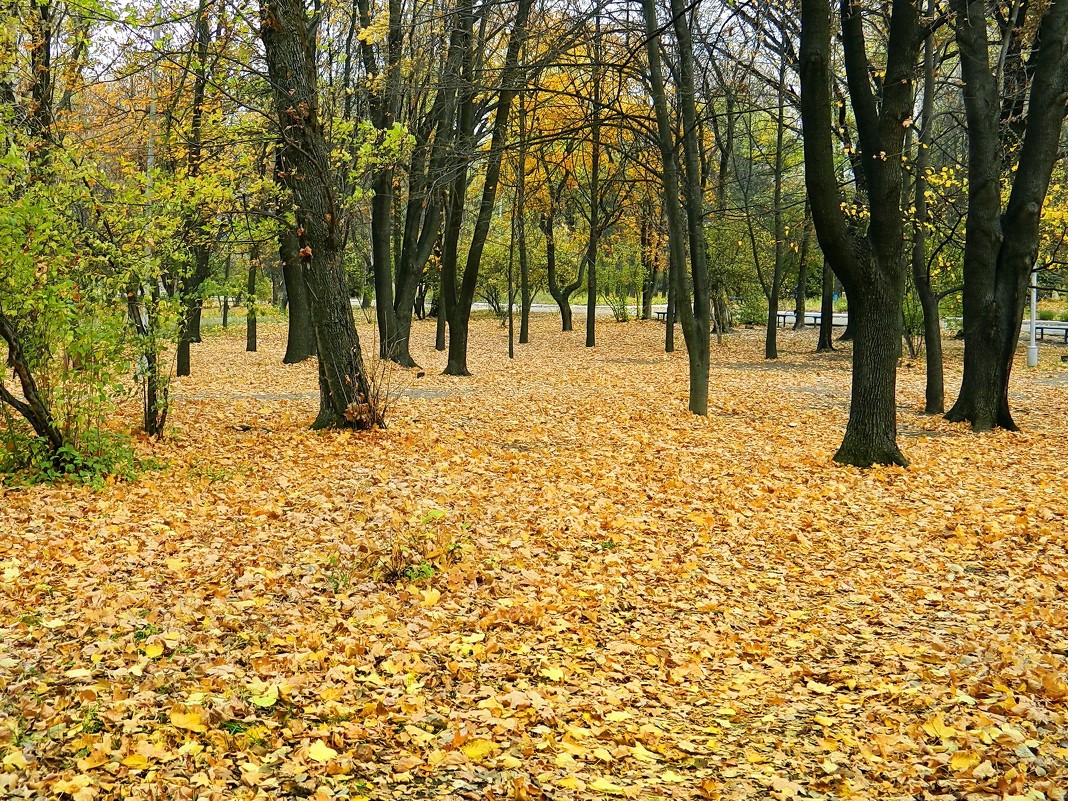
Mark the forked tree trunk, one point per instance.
(871, 266)
(1000, 248)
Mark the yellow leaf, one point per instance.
(268, 698)
(510, 762)
(563, 760)
(95, 759)
(190, 721)
(74, 785)
(672, 777)
(136, 761)
(321, 752)
(602, 754)
(823, 720)
(641, 752)
(78, 673)
(617, 716)
(963, 761)
(817, 687)
(603, 785)
(552, 673)
(936, 727)
(478, 749)
(154, 650)
(430, 597)
(755, 757)
(15, 759)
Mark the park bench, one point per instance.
(1053, 328)
(784, 318)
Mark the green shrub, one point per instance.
(26, 459)
(752, 310)
(1046, 314)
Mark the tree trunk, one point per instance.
(34, 408)
(226, 294)
(346, 398)
(826, 340)
(250, 301)
(872, 266)
(871, 434)
(300, 338)
(460, 295)
(1000, 248)
(934, 402)
(593, 243)
(771, 345)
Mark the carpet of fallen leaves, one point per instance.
(547, 581)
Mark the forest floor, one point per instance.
(547, 581)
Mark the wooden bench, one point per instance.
(661, 316)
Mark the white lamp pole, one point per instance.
(1032, 348)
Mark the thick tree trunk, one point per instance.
(346, 398)
(871, 433)
(871, 267)
(1000, 249)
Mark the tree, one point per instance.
(1015, 110)
(683, 195)
(345, 396)
(871, 265)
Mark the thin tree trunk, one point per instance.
(826, 340)
(250, 300)
(921, 272)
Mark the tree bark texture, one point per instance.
(871, 267)
(1001, 246)
(345, 393)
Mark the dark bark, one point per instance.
(826, 343)
(1001, 247)
(250, 299)
(525, 295)
(226, 294)
(801, 293)
(648, 260)
(300, 337)
(771, 345)
(345, 392)
(460, 293)
(594, 240)
(695, 320)
(561, 293)
(685, 218)
(934, 401)
(191, 281)
(871, 267)
(33, 409)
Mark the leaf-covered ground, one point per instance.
(547, 581)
